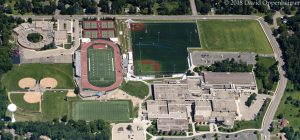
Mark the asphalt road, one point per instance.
(277, 52)
(281, 85)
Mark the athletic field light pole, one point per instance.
(158, 36)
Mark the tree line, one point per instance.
(70, 130)
(244, 7)
(288, 37)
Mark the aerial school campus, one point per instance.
(161, 77)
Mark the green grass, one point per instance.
(102, 71)
(69, 39)
(202, 128)
(148, 137)
(67, 46)
(135, 88)
(61, 72)
(18, 99)
(289, 111)
(54, 105)
(112, 111)
(229, 35)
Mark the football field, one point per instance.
(101, 65)
(112, 111)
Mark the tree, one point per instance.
(6, 136)
(250, 99)
(29, 20)
(129, 127)
(268, 18)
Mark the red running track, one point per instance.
(84, 76)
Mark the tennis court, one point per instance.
(161, 48)
(101, 65)
(112, 111)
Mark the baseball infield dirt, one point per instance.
(48, 82)
(32, 97)
(27, 83)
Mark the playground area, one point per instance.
(161, 48)
(101, 66)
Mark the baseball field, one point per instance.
(101, 65)
(233, 36)
(113, 111)
(161, 48)
(61, 72)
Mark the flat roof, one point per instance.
(229, 78)
(224, 105)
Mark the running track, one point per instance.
(85, 82)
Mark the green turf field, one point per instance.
(165, 45)
(101, 65)
(228, 35)
(113, 111)
(18, 99)
(61, 72)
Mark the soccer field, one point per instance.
(234, 36)
(101, 65)
(113, 111)
(161, 48)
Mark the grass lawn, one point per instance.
(112, 111)
(202, 128)
(135, 88)
(67, 46)
(61, 72)
(290, 111)
(18, 99)
(233, 35)
(54, 105)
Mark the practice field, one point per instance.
(61, 72)
(161, 48)
(234, 36)
(113, 111)
(101, 65)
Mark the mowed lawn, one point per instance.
(289, 110)
(54, 105)
(234, 36)
(135, 88)
(61, 72)
(18, 99)
(112, 111)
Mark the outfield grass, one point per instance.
(112, 111)
(18, 99)
(54, 105)
(61, 72)
(236, 36)
(135, 88)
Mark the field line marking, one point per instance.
(89, 64)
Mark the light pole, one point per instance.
(158, 36)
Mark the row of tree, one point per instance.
(245, 7)
(70, 130)
(289, 41)
(227, 65)
(162, 7)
